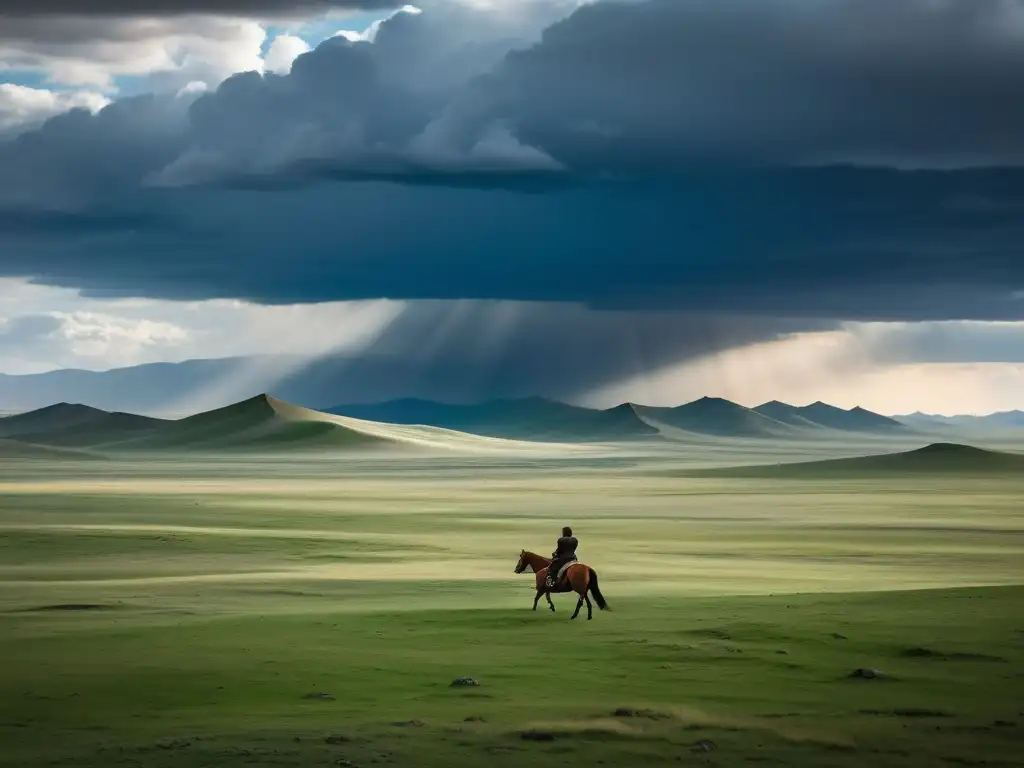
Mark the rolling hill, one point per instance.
(549, 420)
(261, 423)
(786, 414)
(74, 425)
(936, 458)
(535, 419)
(717, 416)
(822, 415)
(853, 420)
(266, 424)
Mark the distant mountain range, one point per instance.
(994, 421)
(379, 385)
(267, 424)
(549, 420)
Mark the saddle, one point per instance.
(558, 580)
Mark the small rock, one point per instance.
(409, 724)
(537, 736)
(837, 636)
(866, 673)
(781, 652)
(319, 697)
(704, 745)
(919, 712)
(463, 682)
(336, 738)
(917, 652)
(650, 714)
(174, 743)
(474, 719)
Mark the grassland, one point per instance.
(274, 611)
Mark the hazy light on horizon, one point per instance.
(610, 357)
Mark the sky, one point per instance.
(647, 200)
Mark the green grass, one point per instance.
(169, 613)
(105, 689)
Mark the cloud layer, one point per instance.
(90, 51)
(657, 154)
(23, 108)
(29, 8)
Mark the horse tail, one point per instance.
(596, 589)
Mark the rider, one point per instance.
(565, 552)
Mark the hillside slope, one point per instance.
(74, 425)
(787, 414)
(716, 416)
(535, 418)
(853, 420)
(937, 458)
(264, 423)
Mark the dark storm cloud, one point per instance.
(652, 86)
(639, 155)
(27, 8)
(626, 86)
(883, 245)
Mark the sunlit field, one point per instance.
(275, 611)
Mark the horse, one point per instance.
(582, 580)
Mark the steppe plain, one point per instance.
(275, 607)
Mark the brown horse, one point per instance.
(582, 579)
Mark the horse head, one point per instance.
(530, 562)
(522, 564)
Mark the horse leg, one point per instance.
(550, 604)
(536, 599)
(579, 604)
(590, 608)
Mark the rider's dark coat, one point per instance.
(565, 549)
(565, 552)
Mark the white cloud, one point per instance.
(284, 49)
(370, 33)
(92, 52)
(192, 87)
(44, 328)
(111, 340)
(84, 339)
(23, 108)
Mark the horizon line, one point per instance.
(327, 409)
